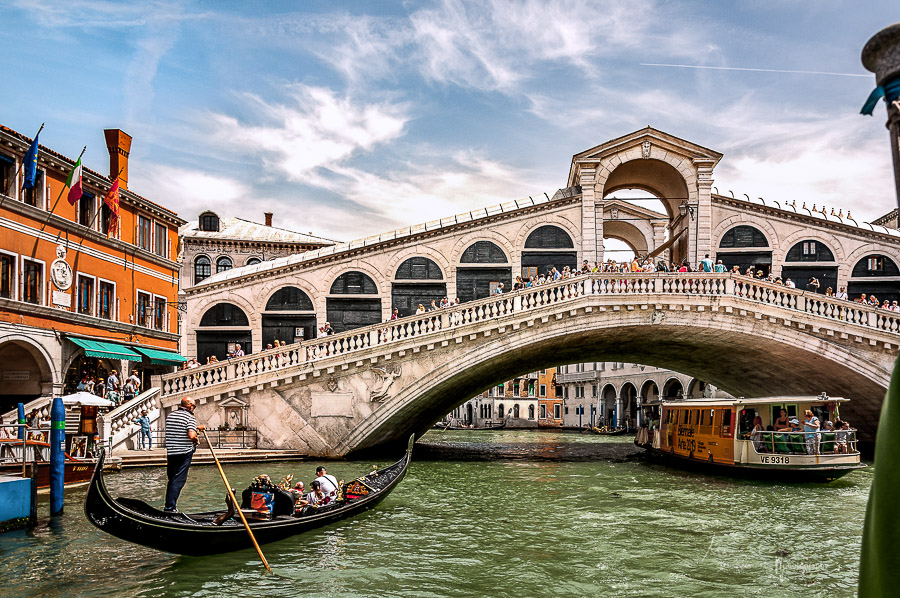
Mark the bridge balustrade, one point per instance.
(659, 284)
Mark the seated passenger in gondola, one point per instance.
(299, 500)
(317, 498)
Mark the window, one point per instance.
(543, 372)
(549, 237)
(105, 300)
(85, 303)
(543, 412)
(35, 195)
(253, 261)
(743, 236)
(106, 220)
(159, 313)
(142, 237)
(809, 251)
(209, 222)
(353, 283)
(202, 268)
(556, 411)
(418, 268)
(500, 411)
(143, 309)
(7, 171)
(875, 264)
(531, 411)
(162, 240)
(483, 252)
(223, 264)
(86, 209)
(594, 390)
(32, 281)
(543, 390)
(7, 275)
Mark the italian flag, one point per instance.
(74, 184)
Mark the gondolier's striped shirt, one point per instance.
(177, 425)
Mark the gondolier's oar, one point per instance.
(235, 502)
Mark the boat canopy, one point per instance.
(745, 402)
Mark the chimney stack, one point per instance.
(268, 218)
(118, 143)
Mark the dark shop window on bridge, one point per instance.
(875, 274)
(223, 328)
(479, 273)
(744, 248)
(825, 269)
(548, 247)
(414, 284)
(347, 313)
(293, 320)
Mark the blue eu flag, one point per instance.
(31, 164)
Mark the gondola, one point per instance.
(604, 431)
(197, 534)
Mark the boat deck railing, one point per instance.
(838, 442)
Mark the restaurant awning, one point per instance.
(160, 357)
(105, 350)
(86, 399)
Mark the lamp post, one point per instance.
(881, 55)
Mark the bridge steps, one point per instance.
(157, 457)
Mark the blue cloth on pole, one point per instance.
(21, 412)
(57, 455)
(890, 91)
(31, 164)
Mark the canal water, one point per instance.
(501, 513)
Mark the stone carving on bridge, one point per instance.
(332, 384)
(657, 316)
(645, 149)
(383, 383)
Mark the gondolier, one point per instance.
(181, 442)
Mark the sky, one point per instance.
(348, 119)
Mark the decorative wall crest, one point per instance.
(384, 379)
(657, 316)
(60, 271)
(645, 149)
(332, 384)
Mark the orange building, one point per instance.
(550, 402)
(78, 296)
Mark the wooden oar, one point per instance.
(234, 501)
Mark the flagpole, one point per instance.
(50, 213)
(21, 166)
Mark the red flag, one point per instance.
(111, 199)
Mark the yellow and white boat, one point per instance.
(748, 437)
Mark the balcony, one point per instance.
(588, 376)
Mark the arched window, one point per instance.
(253, 261)
(531, 412)
(289, 299)
(223, 263)
(875, 265)
(353, 283)
(743, 236)
(224, 314)
(202, 268)
(549, 237)
(209, 222)
(500, 411)
(516, 411)
(418, 268)
(809, 251)
(483, 252)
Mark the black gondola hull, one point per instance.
(196, 535)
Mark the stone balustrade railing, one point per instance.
(42, 404)
(118, 425)
(658, 284)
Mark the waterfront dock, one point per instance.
(203, 456)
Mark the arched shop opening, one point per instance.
(418, 280)
(673, 389)
(548, 247)
(875, 274)
(628, 416)
(223, 328)
(607, 405)
(353, 302)
(289, 317)
(808, 259)
(483, 266)
(745, 246)
(25, 374)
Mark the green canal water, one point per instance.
(485, 514)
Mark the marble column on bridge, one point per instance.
(589, 233)
(701, 236)
(881, 55)
(618, 411)
(659, 238)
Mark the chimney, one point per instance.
(118, 143)
(268, 218)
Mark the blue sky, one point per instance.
(348, 119)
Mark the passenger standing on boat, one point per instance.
(327, 481)
(811, 433)
(756, 434)
(181, 442)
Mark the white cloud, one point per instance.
(188, 192)
(316, 130)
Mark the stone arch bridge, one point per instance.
(370, 387)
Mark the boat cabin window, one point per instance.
(746, 421)
(725, 423)
(776, 411)
(822, 412)
(685, 416)
(706, 421)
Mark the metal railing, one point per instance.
(657, 284)
(803, 443)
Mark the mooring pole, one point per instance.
(881, 55)
(57, 456)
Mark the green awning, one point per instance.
(160, 357)
(106, 350)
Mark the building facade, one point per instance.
(211, 245)
(80, 295)
(527, 401)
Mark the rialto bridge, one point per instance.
(356, 390)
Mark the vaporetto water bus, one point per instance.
(762, 437)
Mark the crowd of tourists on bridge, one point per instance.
(110, 388)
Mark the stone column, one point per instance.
(588, 215)
(702, 233)
(881, 55)
(659, 239)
